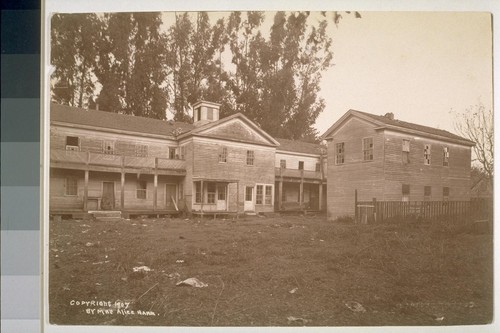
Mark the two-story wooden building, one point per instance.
(392, 160)
(108, 161)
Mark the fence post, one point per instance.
(375, 210)
(355, 206)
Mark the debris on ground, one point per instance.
(142, 269)
(355, 306)
(192, 282)
(179, 261)
(174, 275)
(438, 317)
(85, 231)
(293, 291)
(296, 320)
(89, 244)
(100, 262)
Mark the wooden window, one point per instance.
(172, 153)
(141, 150)
(198, 195)
(269, 195)
(446, 156)
(108, 147)
(339, 153)
(198, 114)
(406, 151)
(223, 155)
(406, 192)
(301, 165)
(210, 113)
(368, 149)
(71, 186)
(427, 154)
(259, 195)
(446, 193)
(141, 189)
(221, 192)
(248, 193)
(318, 167)
(283, 164)
(250, 157)
(427, 193)
(72, 143)
(211, 193)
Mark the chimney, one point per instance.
(389, 115)
(205, 112)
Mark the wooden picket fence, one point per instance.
(380, 211)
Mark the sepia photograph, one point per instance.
(269, 168)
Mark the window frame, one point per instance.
(339, 153)
(109, 143)
(74, 186)
(301, 165)
(427, 153)
(211, 195)
(198, 193)
(427, 193)
(446, 156)
(405, 192)
(446, 193)
(266, 199)
(70, 147)
(247, 192)
(318, 167)
(250, 157)
(141, 150)
(405, 151)
(283, 163)
(141, 192)
(223, 155)
(367, 151)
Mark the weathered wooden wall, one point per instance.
(292, 161)
(206, 165)
(354, 173)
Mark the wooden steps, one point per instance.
(106, 215)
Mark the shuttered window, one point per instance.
(368, 149)
(318, 167)
(108, 147)
(141, 150)
(339, 153)
(446, 156)
(406, 151)
(301, 165)
(427, 154)
(283, 164)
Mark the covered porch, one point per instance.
(216, 196)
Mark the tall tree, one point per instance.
(476, 124)
(73, 53)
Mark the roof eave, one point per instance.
(464, 142)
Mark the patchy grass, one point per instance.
(401, 274)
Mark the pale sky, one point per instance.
(418, 65)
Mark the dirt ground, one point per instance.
(269, 271)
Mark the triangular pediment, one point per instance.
(236, 129)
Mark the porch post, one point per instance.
(301, 189)
(202, 196)
(155, 181)
(86, 190)
(280, 194)
(237, 197)
(320, 196)
(122, 191)
(155, 194)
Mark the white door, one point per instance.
(249, 203)
(221, 196)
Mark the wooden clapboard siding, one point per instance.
(206, 165)
(236, 130)
(292, 161)
(125, 144)
(456, 176)
(355, 173)
(57, 190)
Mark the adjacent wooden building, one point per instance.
(107, 161)
(392, 160)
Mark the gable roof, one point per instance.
(296, 146)
(384, 122)
(116, 121)
(204, 130)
